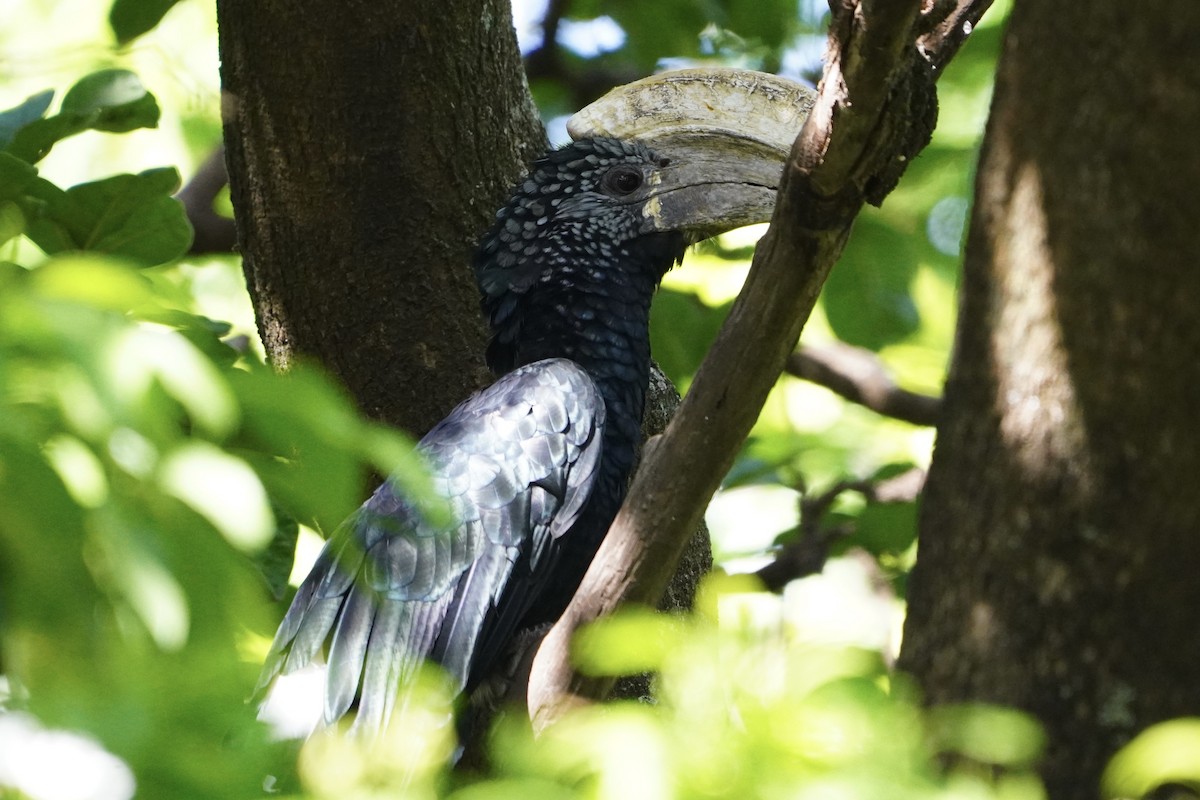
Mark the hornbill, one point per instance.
(535, 466)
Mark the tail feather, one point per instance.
(315, 621)
(385, 665)
(474, 600)
(348, 650)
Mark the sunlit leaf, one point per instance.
(12, 221)
(157, 598)
(91, 281)
(989, 734)
(409, 756)
(1166, 753)
(111, 100)
(143, 357)
(635, 640)
(13, 119)
(223, 489)
(117, 98)
(80, 469)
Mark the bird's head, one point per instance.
(612, 211)
(593, 204)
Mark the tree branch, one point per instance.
(866, 124)
(808, 552)
(857, 375)
(948, 24)
(214, 233)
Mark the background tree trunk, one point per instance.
(369, 145)
(1057, 568)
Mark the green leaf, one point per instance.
(13, 119)
(275, 560)
(867, 298)
(1165, 753)
(12, 221)
(91, 281)
(681, 329)
(133, 216)
(770, 21)
(15, 176)
(118, 99)
(129, 19)
(636, 640)
(988, 734)
(222, 489)
(301, 433)
(885, 528)
(41, 539)
(112, 100)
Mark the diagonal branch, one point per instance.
(857, 375)
(872, 115)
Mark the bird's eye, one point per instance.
(623, 180)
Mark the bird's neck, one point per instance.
(597, 315)
(604, 328)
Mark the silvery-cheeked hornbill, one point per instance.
(535, 466)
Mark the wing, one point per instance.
(517, 462)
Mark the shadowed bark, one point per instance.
(1057, 568)
(369, 145)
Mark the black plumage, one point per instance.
(535, 466)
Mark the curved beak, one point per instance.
(725, 132)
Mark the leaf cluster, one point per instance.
(746, 708)
(154, 473)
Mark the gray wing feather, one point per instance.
(517, 462)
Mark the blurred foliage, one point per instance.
(155, 476)
(746, 708)
(150, 472)
(1163, 755)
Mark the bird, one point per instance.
(535, 466)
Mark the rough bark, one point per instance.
(1057, 568)
(369, 145)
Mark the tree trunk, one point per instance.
(1057, 567)
(368, 146)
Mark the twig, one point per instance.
(866, 124)
(857, 375)
(214, 233)
(805, 555)
(948, 26)
(808, 552)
